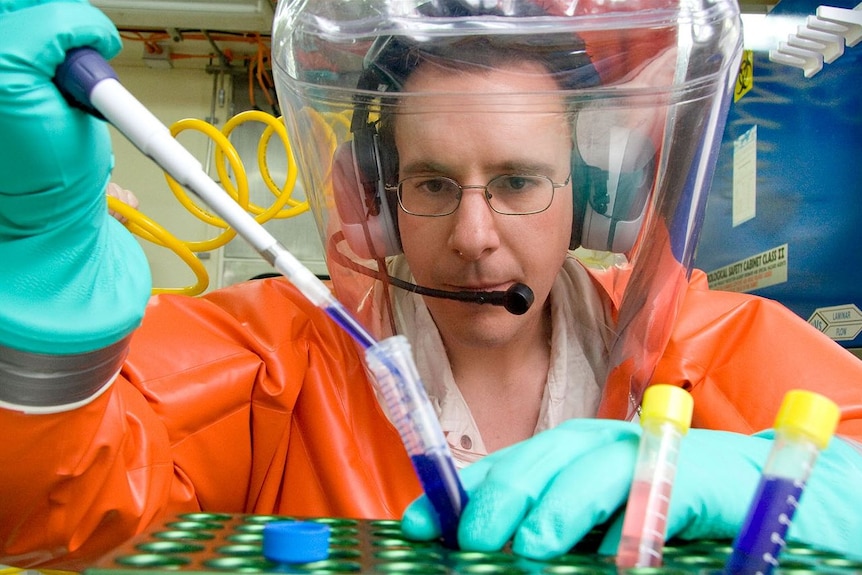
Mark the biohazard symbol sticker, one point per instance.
(745, 78)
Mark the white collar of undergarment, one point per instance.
(580, 340)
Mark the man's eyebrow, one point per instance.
(424, 167)
(527, 167)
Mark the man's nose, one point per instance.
(474, 225)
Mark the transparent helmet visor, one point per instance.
(626, 99)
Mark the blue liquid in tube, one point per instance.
(398, 383)
(763, 534)
(432, 468)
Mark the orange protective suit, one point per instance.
(250, 399)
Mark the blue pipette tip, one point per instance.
(295, 541)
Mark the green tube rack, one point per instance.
(219, 543)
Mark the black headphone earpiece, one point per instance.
(364, 167)
(616, 172)
(365, 208)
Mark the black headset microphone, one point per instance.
(517, 299)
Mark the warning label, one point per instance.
(840, 322)
(745, 78)
(755, 272)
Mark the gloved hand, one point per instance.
(549, 491)
(74, 280)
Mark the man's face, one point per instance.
(472, 139)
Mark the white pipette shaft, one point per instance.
(154, 139)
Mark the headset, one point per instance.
(613, 167)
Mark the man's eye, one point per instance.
(515, 183)
(433, 186)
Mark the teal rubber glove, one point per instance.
(548, 492)
(545, 493)
(718, 474)
(74, 280)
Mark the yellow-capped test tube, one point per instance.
(803, 427)
(665, 417)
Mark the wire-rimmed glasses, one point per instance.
(508, 194)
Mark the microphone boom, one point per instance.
(517, 299)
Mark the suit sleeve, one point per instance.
(248, 399)
(739, 354)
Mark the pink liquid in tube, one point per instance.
(643, 536)
(665, 417)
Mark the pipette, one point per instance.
(804, 425)
(665, 417)
(89, 82)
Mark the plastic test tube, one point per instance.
(803, 427)
(411, 411)
(665, 417)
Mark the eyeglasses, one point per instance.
(510, 194)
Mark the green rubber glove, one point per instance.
(73, 279)
(546, 493)
(717, 476)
